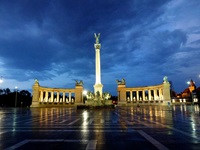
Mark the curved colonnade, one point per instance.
(146, 94)
(44, 96)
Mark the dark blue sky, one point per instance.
(142, 41)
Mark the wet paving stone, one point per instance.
(146, 127)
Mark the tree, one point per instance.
(1, 91)
(7, 91)
(24, 98)
(7, 98)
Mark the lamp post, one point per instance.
(16, 96)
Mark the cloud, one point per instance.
(141, 41)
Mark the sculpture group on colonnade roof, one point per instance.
(122, 82)
(165, 79)
(79, 82)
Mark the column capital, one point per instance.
(97, 46)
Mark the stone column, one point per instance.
(155, 94)
(137, 95)
(52, 96)
(143, 94)
(131, 95)
(70, 97)
(41, 96)
(149, 94)
(63, 97)
(57, 98)
(160, 94)
(98, 87)
(46, 96)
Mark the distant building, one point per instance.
(187, 93)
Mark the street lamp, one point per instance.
(16, 96)
(85, 92)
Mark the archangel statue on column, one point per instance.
(97, 37)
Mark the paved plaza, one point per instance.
(122, 128)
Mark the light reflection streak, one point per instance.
(196, 108)
(84, 126)
(181, 118)
(85, 116)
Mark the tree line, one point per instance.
(16, 98)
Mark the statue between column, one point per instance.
(97, 37)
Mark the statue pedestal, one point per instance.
(98, 88)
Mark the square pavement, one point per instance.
(144, 127)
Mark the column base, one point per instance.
(122, 103)
(35, 104)
(166, 102)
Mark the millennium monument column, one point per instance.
(98, 86)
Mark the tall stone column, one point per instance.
(98, 86)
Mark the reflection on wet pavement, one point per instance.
(144, 127)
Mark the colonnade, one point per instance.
(142, 95)
(157, 93)
(54, 96)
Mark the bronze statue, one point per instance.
(123, 82)
(79, 82)
(97, 37)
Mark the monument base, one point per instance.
(98, 88)
(35, 104)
